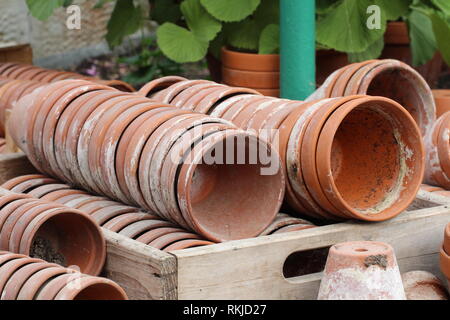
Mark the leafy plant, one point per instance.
(341, 25)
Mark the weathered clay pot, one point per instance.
(156, 85)
(442, 101)
(256, 71)
(361, 270)
(168, 94)
(388, 78)
(445, 264)
(185, 244)
(212, 181)
(422, 285)
(400, 168)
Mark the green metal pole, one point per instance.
(297, 48)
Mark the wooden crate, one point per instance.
(253, 268)
(18, 53)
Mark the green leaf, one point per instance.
(345, 27)
(269, 42)
(43, 9)
(441, 30)
(165, 11)
(244, 34)
(392, 10)
(230, 10)
(372, 52)
(180, 44)
(125, 20)
(200, 22)
(423, 43)
(443, 5)
(101, 3)
(325, 6)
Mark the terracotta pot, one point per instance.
(117, 84)
(185, 244)
(422, 285)
(254, 79)
(102, 215)
(437, 171)
(361, 270)
(91, 288)
(165, 240)
(429, 188)
(388, 78)
(193, 91)
(397, 46)
(31, 286)
(442, 101)
(41, 191)
(237, 181)
(269, 92)
(8, 269)
(399, 187)
(14, 182)
(168, 94)
(445, 264)
(153, 234)
(120, 221)
(292, 228)
(154, 86)
(250, 61)
(447, 239)
(283, 220)
(138, 228)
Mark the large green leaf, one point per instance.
(423, 43)
(325, 6)
(441, 30)
(372, 52)
(201, 23)
(344, 28)
(180, 44)
(443, 5)
(393, 9)
(165, 11)
(230, 10)
(269, 42)
(125, 20)
(243, 35)
(43, 9)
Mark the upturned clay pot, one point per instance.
(423, 285)
(200, 185)
(442, 101)
(154, 86)
(361, 270)
(388, 78)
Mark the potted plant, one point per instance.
(409, 30)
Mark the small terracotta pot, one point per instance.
(36, 281)
(180, 100)
(269, 92)
(254, 79)
(388, 78)
(135, 229)
(165, 240)
(168, 94)
(185, 244)
(12, 183)
(153, 234)
(422, 285)
(442, 101)
(283, 220)
(250, 61)
(120, 221)
(8, 269)
(429, 188)
(223, 106)
(447, 238)
(361, 270)
(117, 84)
(154, 86)
(379, 118)
(102, 215)
(237, 181)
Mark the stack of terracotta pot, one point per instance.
(26, 278)
(445, 254)
(18, 80)
(435, 190)
(126, 220)
(153, 155)
(355, 157)
(388, 78)
(285, 223)
(50, 231)
(260, 72)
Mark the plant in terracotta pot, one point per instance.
(412, 31)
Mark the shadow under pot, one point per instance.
(230, 186)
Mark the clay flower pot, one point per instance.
(154, 86)
(422, 285)
(400, 168)
(25, 278)
(196, 195)
(256, 71)
(442, 101)
(447, 239)
(388, 78)
(361, 270)
(445, 264)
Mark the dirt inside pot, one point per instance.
(365, 159)
(43, 249)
